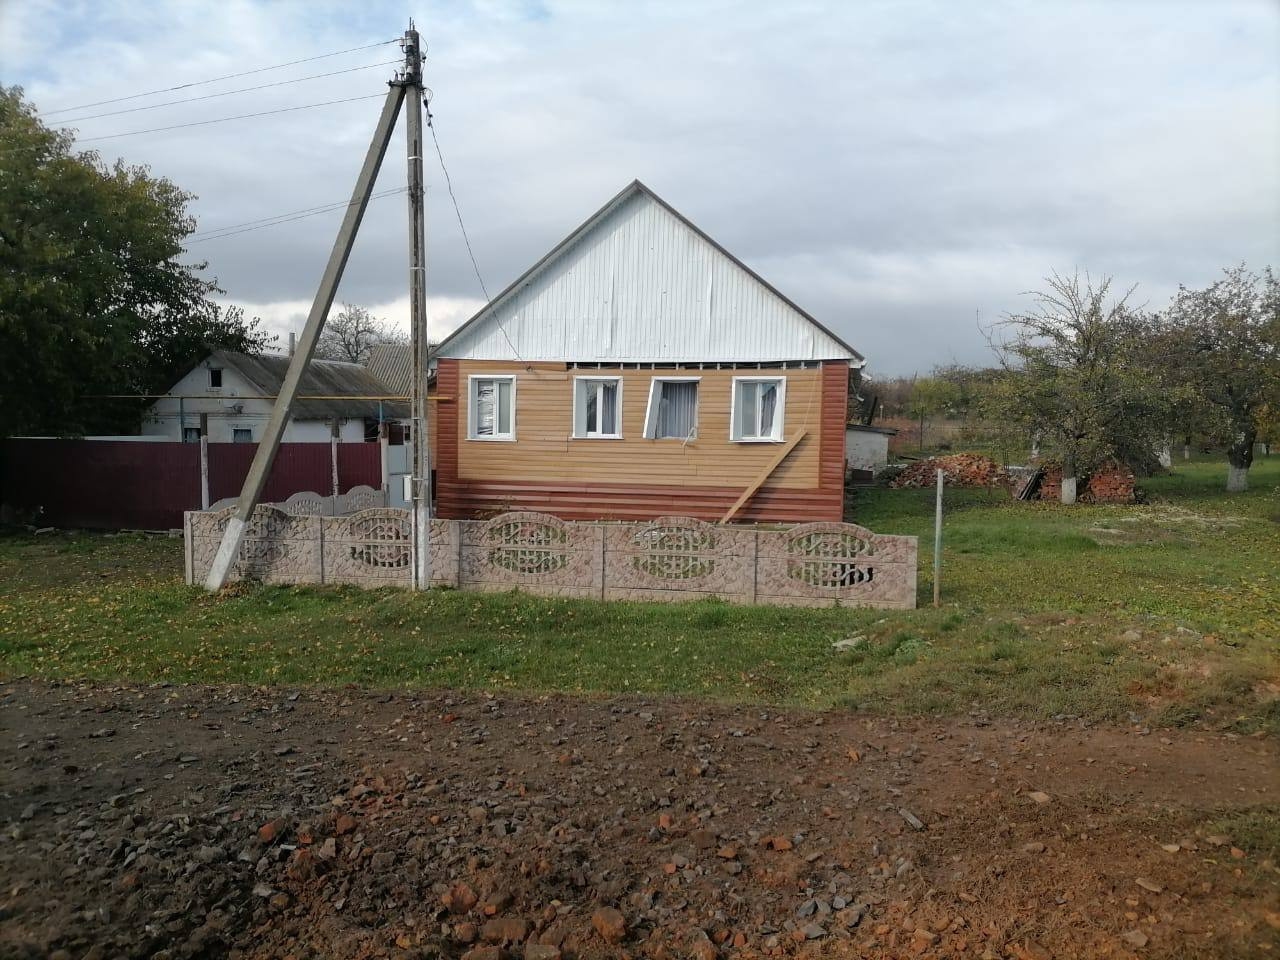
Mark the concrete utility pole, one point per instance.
(265, 456)
(421, 482)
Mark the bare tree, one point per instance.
(1076, 378)
(353, 332)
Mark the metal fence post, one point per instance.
(937, 544)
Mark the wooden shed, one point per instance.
(638, 370)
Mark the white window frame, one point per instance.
(471, 408)
(651, 411)
(778, 415)
(580, 431)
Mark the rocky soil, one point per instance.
(192, 822)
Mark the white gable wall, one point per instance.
(641, 286)
(163, 419)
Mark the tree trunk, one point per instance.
(922, 431)
(1240, 458)
(1068, 480)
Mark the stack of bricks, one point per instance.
(961, 469)
(1110, 483)
(1051, 482)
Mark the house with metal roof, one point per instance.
(640, 369)
(228, 397)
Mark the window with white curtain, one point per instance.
(757, 408)
(673, 409)
(597, 407)
(491, 408)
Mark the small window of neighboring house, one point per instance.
(491, 408)
(757, 409)
(673, 409)
(190, 434)
(242, 435)
(215, 378)
(597, 407)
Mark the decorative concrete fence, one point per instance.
(307, 503)
(671, 558)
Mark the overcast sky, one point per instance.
(898, 169)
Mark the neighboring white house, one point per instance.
(228, 397)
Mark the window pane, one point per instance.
(677, 410)
(768, 404)
(592, 426)
(484, 408)
(608, 407)
(745, 413)
(504, 407)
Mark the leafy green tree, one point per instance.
(1229, 336)
(929, 397)
(1077, 378)
(93, 298)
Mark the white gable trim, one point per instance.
(695, 302)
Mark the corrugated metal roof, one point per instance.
(323, 378)
(638, 282)
(392, 363)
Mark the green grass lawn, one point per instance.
(1168, 611)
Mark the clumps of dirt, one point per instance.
(959, 470)
(201, 823)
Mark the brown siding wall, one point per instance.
(634, 478)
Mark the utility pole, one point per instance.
(421, 481)
(265, 455)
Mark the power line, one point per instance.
(243, 116)
(229, 76)
(305, 211)
(227, 93)
(465, 239)
(236, 228)
(458, 213)
(449, 183)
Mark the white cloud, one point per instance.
(893, 168)
(444, 314)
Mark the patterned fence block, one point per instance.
(532, 551)
(370, 548)
(678, 558)
(833, 564)
(307, 503)
(278, 547)
(357, 499)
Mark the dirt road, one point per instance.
(212, 822)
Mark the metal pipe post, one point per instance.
(937, 544)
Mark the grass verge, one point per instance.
(1166, 612)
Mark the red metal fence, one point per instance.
(122, 484)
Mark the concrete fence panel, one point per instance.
(678, 558)
(829, 564)
(671, 558)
